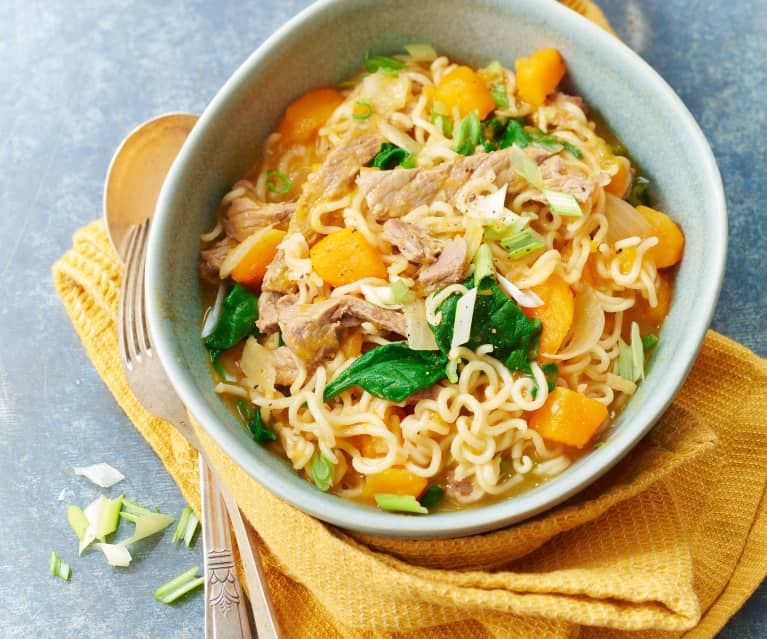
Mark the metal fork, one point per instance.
(225, 608)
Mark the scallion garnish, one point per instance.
(383, 63)
(58, 567)
(440, 117)
(77, 519)
(483, 264)
(186, 527)
(365, 111)
(561, 203)
(109, 518)
(147, 525)
(467, 134)
(501, 98)
(619, 149)
(648, 341)
(400, 503)
(432, 496)
(390, 156)
(401, 294)
(178, 586)
(451, 370)
(421, 52)
(274, 186)
(640, 192)
(524, 166)
(522, 243)
(321, 471)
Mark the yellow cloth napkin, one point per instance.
(670, 543)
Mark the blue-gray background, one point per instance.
(75, 77)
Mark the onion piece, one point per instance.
(522, 164)
(238, 253)
(464, 313)
(116, 554)
(214, 312)
(588, 326)
(92, 513)
(397, 137)
(526, 299)
(419, 335)
(101, 474)
(257, 364)
(623, 220)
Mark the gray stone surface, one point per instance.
(74, 79)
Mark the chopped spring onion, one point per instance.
(432, 496)
(116, 554)
(467, 134)
(275, 186)
(501, 98)
(419, 336)
(134, 509)
(522, 243)
(421, 52)
(483, 264)
(400, 293)
(561, 203)
(77, 519)
(619, 149)
(526, 299)
(523, 165)
(497, 231)
(624, 365)
(214, 312)
(187, 527)
(389, 157)
(101, 474)
(451, 370)
(648, 341)
(365, 111)
(640, 192)
(109, 518)
(383, 63)
(58, 567)
(178, 586)
(321, 471)
(400, 503)
(441, 118)
(147, 525)
(464, 312)
(637, 352)
(92, 513)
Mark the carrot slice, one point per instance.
(539, 74)
(345, 256)
(394, 481)
(464, 89)
(670, 245)
(305, 115)
(556, 314)
(568, 417)
(251, 268)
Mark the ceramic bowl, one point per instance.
(324, 44)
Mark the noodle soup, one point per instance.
(439, 285)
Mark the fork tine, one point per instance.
(126, 340)
(144, 341)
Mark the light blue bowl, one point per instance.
(323, 45)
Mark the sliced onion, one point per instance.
(236, 255)
(92, 513)
(490, 206)
(257, 364)
(588, 326)
(623, 220)
(116, 554)
(526, 299)
(101, 474)
(397, 137)
(464, 313)
(419, 335)
(213, 313)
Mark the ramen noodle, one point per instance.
(439, 285)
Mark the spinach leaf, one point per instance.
(640, 192)
(238, 320)
(514, 134)
(432, 496)
(252, 416)
(390, 371)
(391, 156)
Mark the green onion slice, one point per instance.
(648, 341)
(524, 166)
(451, 370)
(186, 527)
(147, 525)
(383, 63)
(109, 518)
(522, 243)
(58, 567)
(501, 98)
(624, 365)
(321, 471)
(421, 52)
(561, 203)
(366, 111)
(467, 134)
(400, 503)
(483, 264)
(401, 294)
(275, 186)
(640, 192)
(178, 586)
(77, 519)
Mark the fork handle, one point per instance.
(226, 615)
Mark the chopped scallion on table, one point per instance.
(186, 527)
(58, 567)
(178, 586)
(400, 503)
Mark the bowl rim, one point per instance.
(349, 515)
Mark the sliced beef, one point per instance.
(464, 491)
(558, 98)
(285, 366)
(391, 194)
(413, 241)
(212, 258)
(313, 331)
(245, 216)
(267, 312)
(335, 177)
(449, 267)
(276, 276)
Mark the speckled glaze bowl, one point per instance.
(323, 45)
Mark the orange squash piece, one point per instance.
(345, 256)
(670, 245)
(463, 88)
(251, 269)
(352, 344)
(620, 183)
(305, 115)
(539, 74)
(556, 313)
(394, 481)
(568, 417)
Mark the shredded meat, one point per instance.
(464, 491)
(276, 276)
(313, 331)
(285, 366)
(394, 193)
(245, 216)
(267, 312)
(449, 267)
(213, 258)
(413, 241)
(579, 185)
(558, 98)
